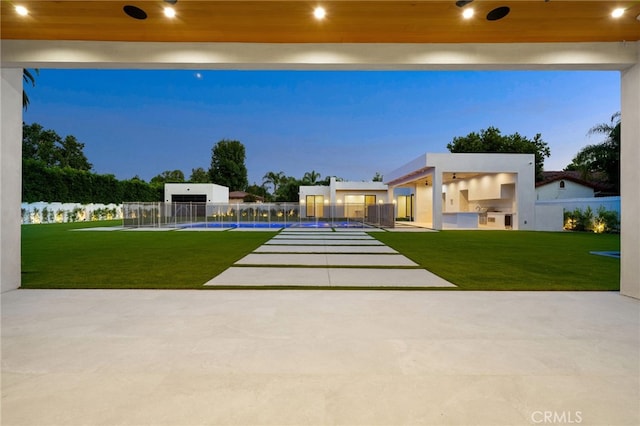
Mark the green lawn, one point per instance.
(53, 256)
(508, 260)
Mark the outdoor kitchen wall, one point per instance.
(490, 191)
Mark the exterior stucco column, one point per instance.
(10, 177)
(437, 200)
(630, 182)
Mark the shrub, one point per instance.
(603, 221)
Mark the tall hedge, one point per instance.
(67, 185)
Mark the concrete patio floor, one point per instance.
(133, 357)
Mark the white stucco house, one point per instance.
(466, 191)
(350, 197)
(564, 185)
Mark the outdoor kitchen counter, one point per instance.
(497, 220)
(466, 220)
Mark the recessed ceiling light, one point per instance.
(169, 12)
(319, 13)
(467, 13)
(22, 11)
(617, 12)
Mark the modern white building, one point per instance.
(195, 193)
(352, 196)
(466, 191)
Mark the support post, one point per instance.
(10, 177)
(630, 181)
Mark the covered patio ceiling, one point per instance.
(346, 21)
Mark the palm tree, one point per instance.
(311, 178)
(28, 78)
(611, 130)
(273, 178)
(603, 157)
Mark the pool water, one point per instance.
(231, 225)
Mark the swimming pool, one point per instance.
(232, 225)
(275, 225)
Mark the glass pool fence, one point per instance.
(256, 215)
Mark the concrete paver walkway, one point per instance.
(370, 263)
(321, 259)
(274, 248)
(324, 241)
(337, 277)
(175, 358)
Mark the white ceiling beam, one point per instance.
(309, 56)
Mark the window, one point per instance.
(315, 205)
(561, 184)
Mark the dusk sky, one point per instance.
(346, 124)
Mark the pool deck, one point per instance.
(255, 357)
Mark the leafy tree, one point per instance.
(492, 141)
(249, 198)
(39, 144)
(326, 181)
(199, 175)
(227, 165)
(273, 178)
(603, 157)
(168, 176)
(28, 78)
(258, 190)
(49, 148)
(71, 154)
(289, 190)
(311, 178)
(377, 177)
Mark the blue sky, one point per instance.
(346, 124)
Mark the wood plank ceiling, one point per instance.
(347, 21)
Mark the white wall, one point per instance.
(341, 195)
(424, 201)
(553, 191)
(215, 193)
(549, 217)
(608, 203)
(10, 176)
(32, 213)
(630, 181)
(336, 191)
(313, 190)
